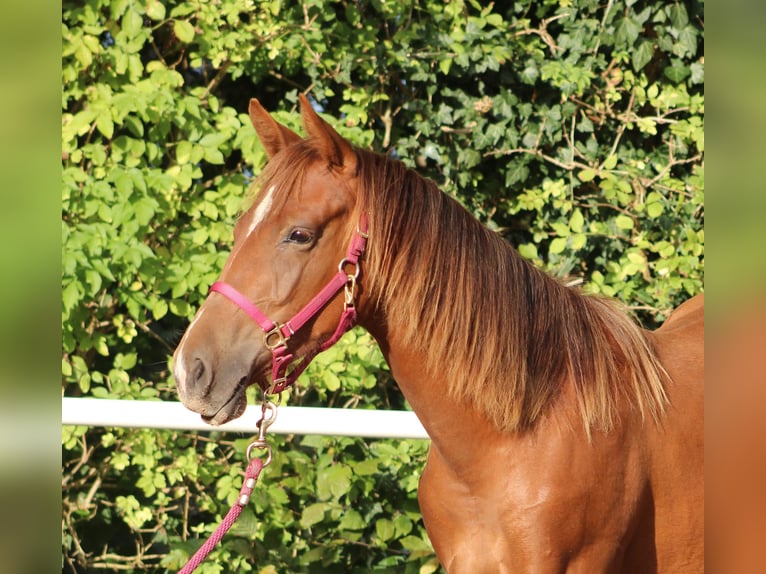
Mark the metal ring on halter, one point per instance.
(342, 268)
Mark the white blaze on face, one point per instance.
(260, 212)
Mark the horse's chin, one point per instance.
(232, 408)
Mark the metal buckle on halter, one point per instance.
(350, 286)
(349, 292)
(275, 385)
(281, 338)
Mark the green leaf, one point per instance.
(93, 278)
(331, 381)
(415, 544)
(125, 361)
(642, 55)
(624, 222)
(636, 257)
(430, 566)
(558, 245)
(132, 23)
(70, 295)
(528, 251)
(495, 20)
(517, 171)
(654, 210)
(200, 236)
(334, 482)
(610, 162)
(687, 42)
(627, 31)
(145, 211)
(576, 221)
(214, 156)
(101, 347)
(183, 30)
(66, 368)
(155, 10)
(562, 229)
(697, 71)
(647, 125)
(84, 382)
(384, 528)
(104, 124)
(179, 307)
(402, 525)
(678, 15)
(352, 520)
(579, 240)
(313, 514)
(183, 151)
(366, 467)
(83, 55)
(676, 72)
(586, 175)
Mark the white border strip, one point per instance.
(290, 420)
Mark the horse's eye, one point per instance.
(300, 236)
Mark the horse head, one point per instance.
(288, 287)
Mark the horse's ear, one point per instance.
(273, 135)
(331, 145)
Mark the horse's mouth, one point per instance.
(233, 408)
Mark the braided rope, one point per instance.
(251, 475)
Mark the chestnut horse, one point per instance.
(564, 437)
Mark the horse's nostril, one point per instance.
(198, 371)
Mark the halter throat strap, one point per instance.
(276, 335)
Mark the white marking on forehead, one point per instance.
(260, 212)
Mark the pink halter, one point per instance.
(276, 336)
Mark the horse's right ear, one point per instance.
(330, 144)
(273, 135)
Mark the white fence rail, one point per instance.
(290, 420)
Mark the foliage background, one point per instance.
(574, 129)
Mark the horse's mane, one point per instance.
(502, 334)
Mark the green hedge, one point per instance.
(574, 129)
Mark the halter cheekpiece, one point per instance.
(276, 335)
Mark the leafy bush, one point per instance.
(574, 129)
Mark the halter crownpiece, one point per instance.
(276, 335)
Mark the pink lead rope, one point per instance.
(276, 337)
(251, 475)
(253, 470)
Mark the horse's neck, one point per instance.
(454, 428)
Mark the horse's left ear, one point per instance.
(273, 135)
(331, 145)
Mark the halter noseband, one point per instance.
(276, 335)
